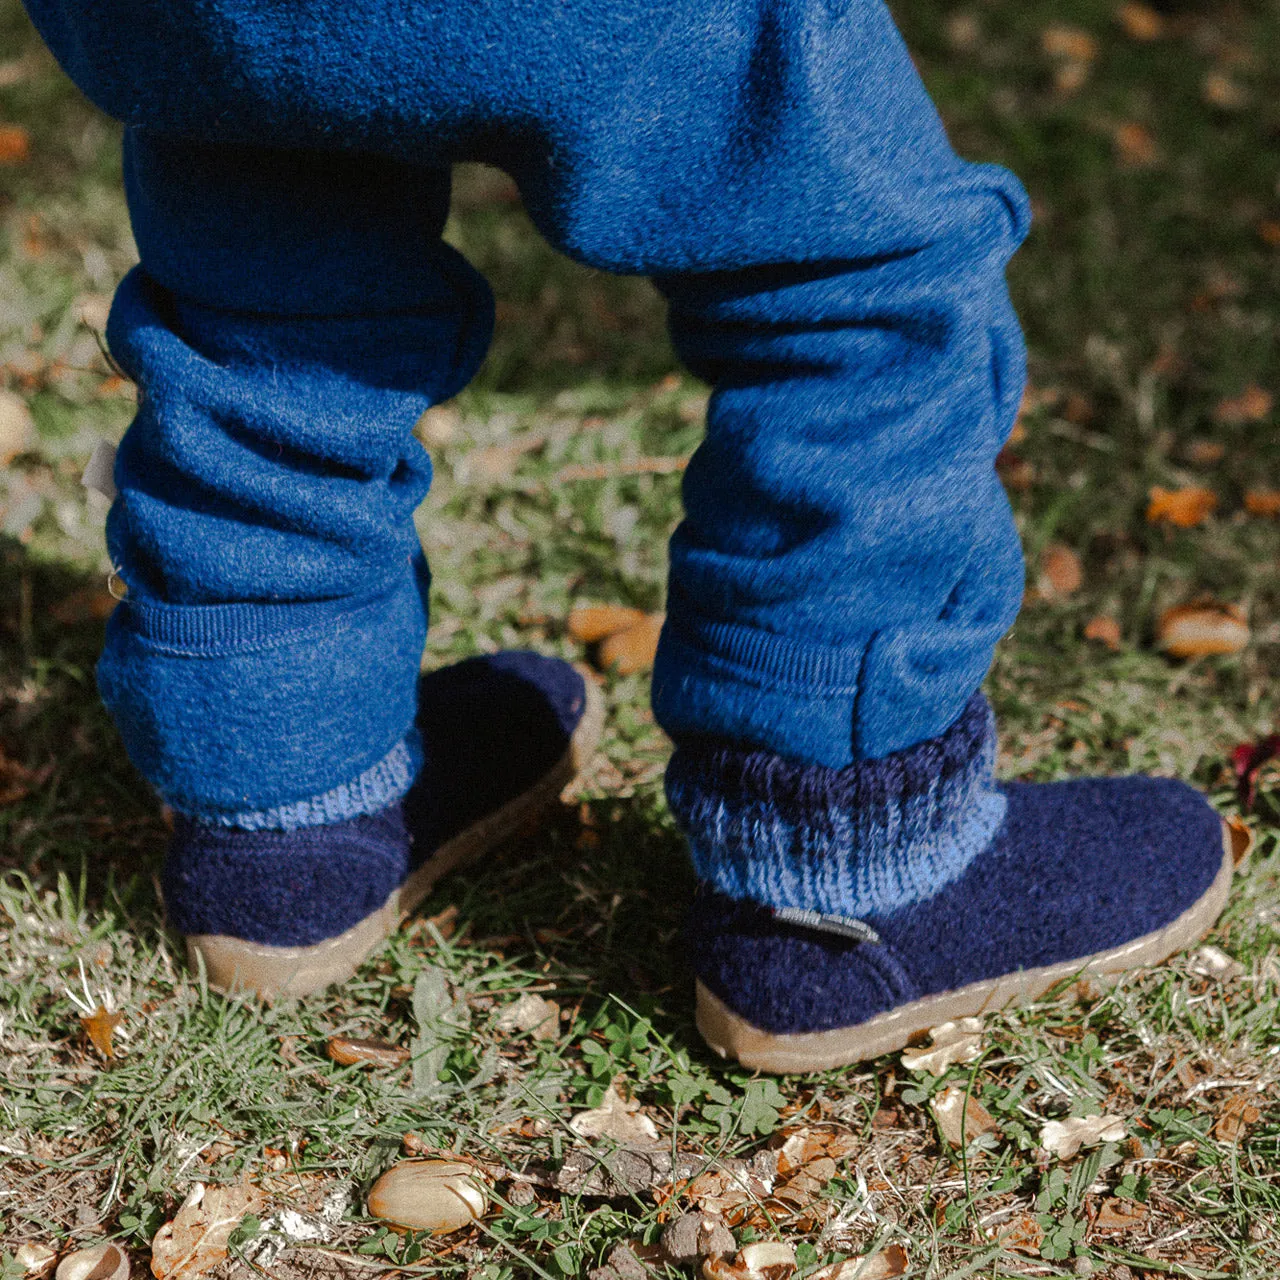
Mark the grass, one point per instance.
(1148, 290)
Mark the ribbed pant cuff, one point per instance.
(378, 787)
(870, 837)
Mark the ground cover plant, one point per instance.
(545, 1001)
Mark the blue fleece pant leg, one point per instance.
(833, 269)
(286, 328)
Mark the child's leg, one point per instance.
(292, 317)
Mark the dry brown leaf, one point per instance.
(1060, 571)
(884, 1265)
(1196, 630)
(100, 1028)
(765, 1260)
(960, 1119)
(802, 1191)
(17, 427)
(1119, 1215)
(1063, 1138)
(802, 1146)
(1105, 631)
(1241, 838)
(1060, 41)
(370, 1053)
(15, 144)
(89, 604)
(532, 1013)
(730, 1193)
(1140, 22)
(1135, 145)
(1253, 404)
(1185, 507)
(1221, 91)
(951, 1043)
(618, 1117)
(1205, 453)
(196, 1240)
(592, 623)
(1263, 502)
(1237, 1114)
(1022, 1234)
(632, 651)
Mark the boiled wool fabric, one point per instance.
(848, 559)
(1077, 868)
(489, 729)
(873, 836)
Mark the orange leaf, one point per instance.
(1069, 42)
(1263, 502)
(1184, 507)
(1195, 630)
(1237, 1114)
(594, 622)
(1140, 22)
(1119, 1215)
(1136, 146)
(633, 650)
(196, 1240)
(1253, 404)
(1105, 631)
(15, 144)
(100, 1026)
(1060, 571)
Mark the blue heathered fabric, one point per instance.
(872, 836)
(489, 729)
(1077, 868)
(848, 559)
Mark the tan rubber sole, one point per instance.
(734, 1037)
(233, 964)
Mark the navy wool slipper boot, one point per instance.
(290, 912)
(841, 912)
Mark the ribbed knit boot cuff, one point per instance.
(871, 837)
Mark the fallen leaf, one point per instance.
(766, 1260)
(1263, 502)
(196, 1240)
(100, 1027)
(1060, 571)
(1063, 1138)
(1185, 508)
(1105, 631)
(532, 1013)
(1221, 91)
(884, 1265)
(1253, 404)
(1205, 453)
(429, 1195)
(631, 651)
(729, 1191)
(35, 1259)
(952, 1042)
(1135, 145)
(960, 1119)
(15, 144)
(1022, 1234)
(370, 1053)
(1119, 1215)
(89, 604)
(591, 623)
(17, 781)
(1061, 41)
(801, 1195)
(1247, 761)
(1237, 1114)
(1212, 962)
(691, 1237)
(17, 427)
(1196, 630)
(1014, 470)
(617, 1117)
(803, 1146)
(1241, 838)
(1140, 22)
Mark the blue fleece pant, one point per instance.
(833, 270)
